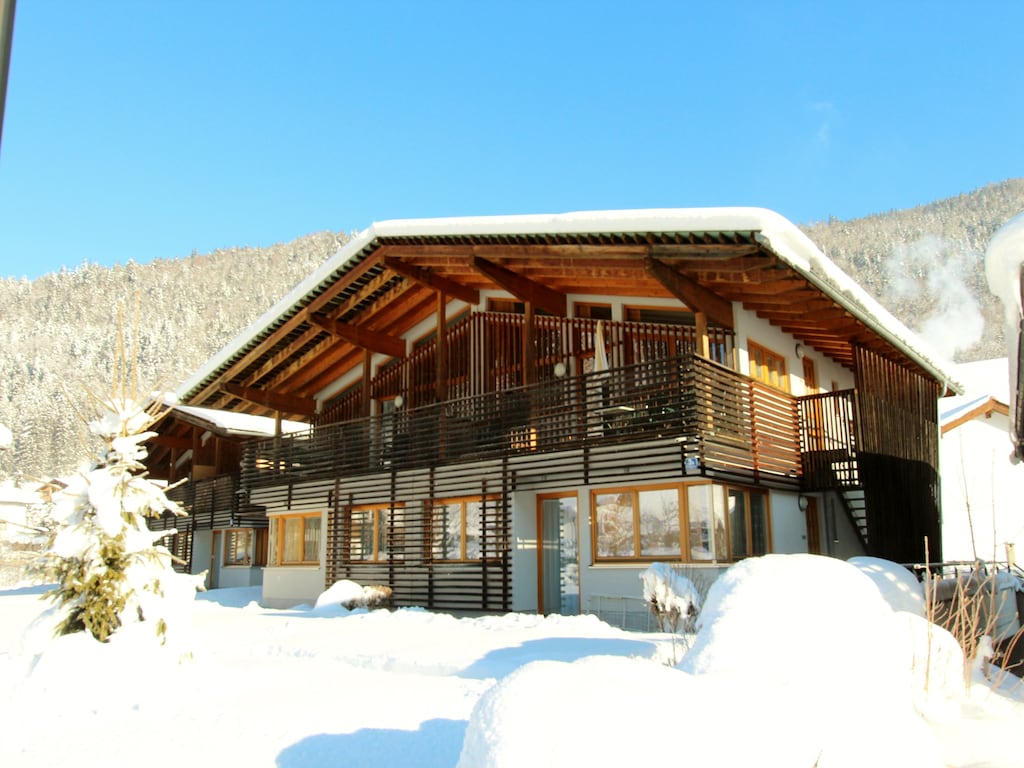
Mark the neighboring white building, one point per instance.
(982, 489)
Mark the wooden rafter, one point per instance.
(432, 280)
(375, 341)
(694, 295)
(278, 401)
(540, 296)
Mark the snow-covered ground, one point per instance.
(801, 661)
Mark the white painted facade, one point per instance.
(982, 489)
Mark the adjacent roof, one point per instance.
(233, 424)
(381, 281)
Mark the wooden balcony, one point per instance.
(724, 423)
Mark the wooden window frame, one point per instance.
(379, 514)
(761, 359)
(748, 522)
(464, 501)
(685, 554)
(278, 523)
(637, 533)
(231, 536)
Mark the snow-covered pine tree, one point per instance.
(109, 569)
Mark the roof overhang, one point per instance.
(748, 255)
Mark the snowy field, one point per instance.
(801, 661)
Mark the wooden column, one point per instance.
(441, 358)
(367, 381)
(529, 356)
(703, 345)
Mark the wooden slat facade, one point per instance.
(898, 456)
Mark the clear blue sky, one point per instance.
(141, 130)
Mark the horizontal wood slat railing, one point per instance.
(722, 419)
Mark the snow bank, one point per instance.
(802, 650)
(897, 585)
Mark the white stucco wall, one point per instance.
(982, 489)
(286, 586)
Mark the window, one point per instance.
(692, 522)
(375, 533)
(456, 528)
(768, 366)
(748, 523)
(706, 508)
(637, 523)
(295, 539)
(238, 547)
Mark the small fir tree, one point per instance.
(109, 569)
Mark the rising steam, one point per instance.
(933, 273)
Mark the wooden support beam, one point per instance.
(691, 293)
(433, 280)
(170, 441)
(542, 297)
(375, 341)
(303, 406)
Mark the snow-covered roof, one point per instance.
(984, 382)
(774, 232)
(239, 424)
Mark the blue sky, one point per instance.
(141, 130)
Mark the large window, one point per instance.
(693, 522)
(295, 539)
(637, 523)
(457, 527)
(376, 533)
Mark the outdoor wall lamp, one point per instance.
(802, 502)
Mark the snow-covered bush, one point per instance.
(350, 595)
(109, 570)
(673, 599)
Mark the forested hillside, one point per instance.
(57, 333)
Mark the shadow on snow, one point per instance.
(436, 744)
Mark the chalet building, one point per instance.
(523, 412)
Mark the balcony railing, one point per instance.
(210, 502)
(828, 440)
(722, 420)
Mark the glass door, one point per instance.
(558, 560)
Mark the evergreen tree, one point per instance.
(109, 569)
